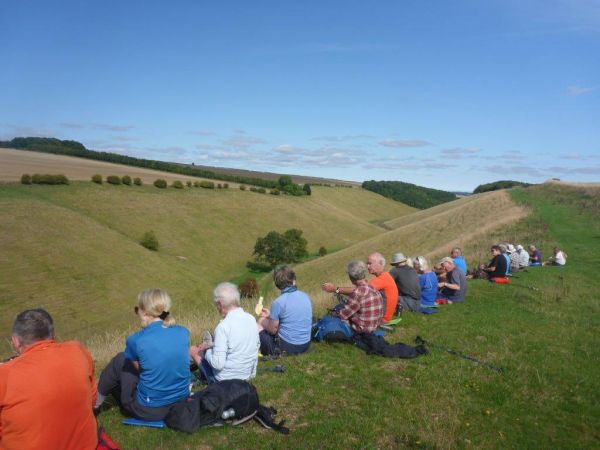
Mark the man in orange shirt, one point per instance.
(383, 282)
(47, 392)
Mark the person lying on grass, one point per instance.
(153, 372)
(364, 308)
(47, 391)
(454, 289)
(383, 282)
(287, 326)
(233, 354)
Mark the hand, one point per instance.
(265, 313)
(328, 287)
(195, 354)
(441, 285)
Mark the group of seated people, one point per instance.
(153, 371)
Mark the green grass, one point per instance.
(546, 341)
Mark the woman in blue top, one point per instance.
(427, 280)
(153, 371)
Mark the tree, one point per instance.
(284, 180)
(306, 189)
(276, 248)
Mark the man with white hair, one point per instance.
(454, 289)
(523, 256)
(234, 352)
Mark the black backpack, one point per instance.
(207, 406)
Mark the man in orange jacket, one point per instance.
(47, 392)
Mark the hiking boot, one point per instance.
(207, 338)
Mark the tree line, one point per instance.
(409, 194)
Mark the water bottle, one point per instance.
(228, 414)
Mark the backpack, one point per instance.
(331, 329)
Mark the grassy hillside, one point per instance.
(74, 249)
(546, 341)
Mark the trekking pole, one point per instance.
(420, 341)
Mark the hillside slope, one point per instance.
(75, 248)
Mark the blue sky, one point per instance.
(444, 94)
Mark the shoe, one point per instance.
(207, 338)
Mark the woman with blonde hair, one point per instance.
(427, 280)
(153, 371)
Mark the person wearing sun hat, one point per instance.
(407, 281)
(523, 256)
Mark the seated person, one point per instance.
(459, 260)
(427, 281)
(514, 258)
(47, 391)
(559, 258)
(535, 256)
(454, 289)
(504, 253)
(153, 372)
(234, 352)
(364, 308)
(523, 256)
(496, 268)
(287, 326)
(407, 281)
(384, 283)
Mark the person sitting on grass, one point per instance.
(513, 258)
(427, 282)
(364, 308)
(233, 354)
(47, 391)
(287, 326)
(523, 256)
(535, 256)
(506, 255)
(153, 372)
(559, 258)
(496, 268)
(407, 281)
(459, 260)
(454, 289)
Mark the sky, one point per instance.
(443, 94)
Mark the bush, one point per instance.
(149, 241)
(322, 251)
(274, 191)
(25, 178)
(306, 189)
(225, 185)
(276, 248)
(137, 181)
(113, 179)
(196, 184)
(219, 186)
(242, 187)
(188, 183)
(126, 179)
(177, 184)
(160, 183)
(261, 190)
(248, 288)
(207, 184)
(38, 178)
(97, 178)
(253, 189)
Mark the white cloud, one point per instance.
(119, 128)
(574, 91)
(459, 152)
(244, 141)
(404, 143)
(72, 125)
(202, 132)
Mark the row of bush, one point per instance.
(115, 179)
(162, 184)
(43, 178)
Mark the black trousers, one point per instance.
(274, 345)
(120, 378)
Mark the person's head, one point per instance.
(284, 277)
(456, 252)
(357, 270)
(31, 326)
(398, 259)
(421, 264)
(532, 248)
(502, 248)
(375, 263)
(556, 250)
(152, 305)
(227, 297)
(496, 250)
(519, 248)
(447, 264)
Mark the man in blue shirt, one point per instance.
(459, 261)
(287, 326)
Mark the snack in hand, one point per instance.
(259, 306)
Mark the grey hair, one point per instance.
(422, 263)
(227, 293)
(357, 270)
(380, 258)
(33, 325)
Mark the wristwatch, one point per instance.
(337, 290)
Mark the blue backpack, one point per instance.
(331, 329)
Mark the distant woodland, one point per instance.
(496, 185)
(409, 194)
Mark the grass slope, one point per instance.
(74, 249)
(546, 341)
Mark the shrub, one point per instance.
(160, 183)
(188, 183)
(242, 187)
(219, 186)
(207, 184)
(137, 181)
(97, 178)
(225, 185)
(113, 179)
(25, 178)
(253, 189)
(306, 189)
(322, 251)
(261, 190)
(149, 241)
(177, 184)
(49, 179)
(248, 288)
(126, 179)
(274, 191)
(276, 248)
(196, 184)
